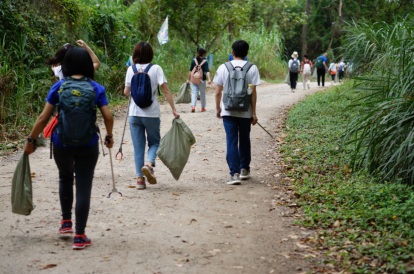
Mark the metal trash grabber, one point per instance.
(123, 133)
(113, 177)
(265, 130)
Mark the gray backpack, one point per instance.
(295, 66)
(235, 97)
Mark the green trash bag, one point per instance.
(175, 147)
(287, 79)
(184, 96)
(21, 196)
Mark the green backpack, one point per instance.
(319, 62)
(77, 112)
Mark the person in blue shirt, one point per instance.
(76, 64)
(231, 58)
(321, 68)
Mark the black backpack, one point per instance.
(77, 112)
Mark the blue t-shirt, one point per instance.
(231, 58)
(100, 100)
(324, 59)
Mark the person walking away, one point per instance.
(321, 68)
(238, 118)
(341, 70)
(56, 60)
(196, 64)
(306, 69)
(144, 122)
(294, 68)
(75, 139)
(333, 69)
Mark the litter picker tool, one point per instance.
(113, 177)
(265, 130)
(123, 133)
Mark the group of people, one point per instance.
(305, 69)
(77, 95)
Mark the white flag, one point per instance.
(163, 34)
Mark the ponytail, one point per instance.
(200, 52)
(59, 55)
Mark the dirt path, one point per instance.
(195, 225)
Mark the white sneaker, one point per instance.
(332, 83)
(234, 180)
(244, 174)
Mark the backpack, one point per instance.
(197, 73)
(77, 112)
(294, 67)
(307, 68)
(141, 90)
(235, 96)
(341, 67)
(319, 62)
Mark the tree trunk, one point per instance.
(337, 23)
(305, 29)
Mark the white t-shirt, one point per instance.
(58, 72)
(157, 77)
(220, 79)
(333, 67)
(294, 60)
(341, 64)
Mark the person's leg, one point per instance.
(194, 93)
(291, 80)
(152, 126)
(64, 159)
(295, 80)
(318, 72)
(85, 162)
(244, 139)
(231, 127)
(138, 140)
(202, 88)
(304, 80)
(323, 77)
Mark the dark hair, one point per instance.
(143, 53)
(59, 55)
(200, 52)
(306, 56)
(240, 48)
(78, 61)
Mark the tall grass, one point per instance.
(383, 130)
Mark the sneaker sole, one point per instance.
(79, 247)
(66, 231)
(141, 187)
(244, 177)
(150, 178)
(234, 183)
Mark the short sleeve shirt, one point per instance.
(324, 59)
(307, 62)
(59, 73)
(100, 100)
(204, 67)
(291, 62)
(220, 79)
(157, 77)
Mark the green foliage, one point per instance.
(383, 129)
(375, 229)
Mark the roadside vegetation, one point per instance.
(364, 225)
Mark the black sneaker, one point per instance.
(81, 241)
(66, 227)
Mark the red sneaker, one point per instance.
(81, 241)
(66, 227)
(192, 109)
(203, 109)
(149, 174)
(141, 184)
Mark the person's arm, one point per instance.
(219, 89)
(95, 59)
(169, 98)
(209, 79)
(109, 124)
(254, 100)
(127, 91)
(39, 125)
(325, 65)
(189, 78)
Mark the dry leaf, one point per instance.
(178, 265)
(106, 257)
(293, 236)
(336, 224)
(175, 194)
(162, 214)
(285, 254)
(49, 266)
(193, 220)
(271, 271)
(131, 186)
(228, 226)
(214, 251)
(237, 267)
(307, 255)
(302, 246)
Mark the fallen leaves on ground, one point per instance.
(49, 266)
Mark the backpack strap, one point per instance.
(195, 60)
(148, 67)
(134, 68)
(247, 67)
(229, 66)
(202, 63)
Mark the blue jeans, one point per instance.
(194, 93)
(238, 143)
(138, 126)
